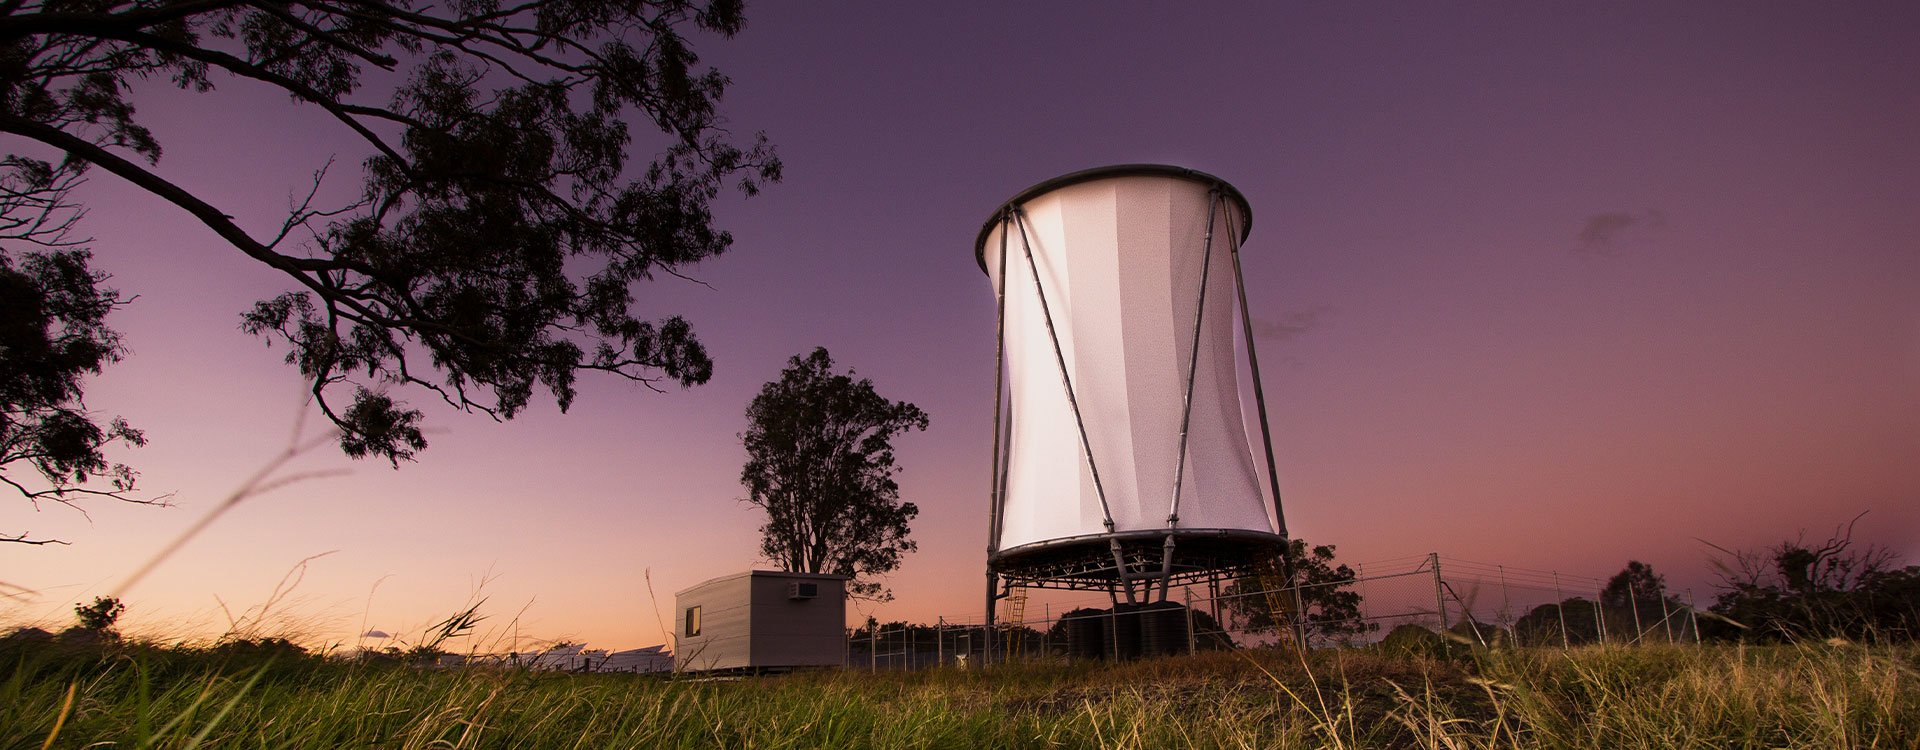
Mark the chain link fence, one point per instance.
(1477, 603)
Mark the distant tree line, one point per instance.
(1796, 590)
(1634, 607)
(1792, 591)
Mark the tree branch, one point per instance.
(21, 538)
(385, 62)
(301, 269)
(244, 69)
(213, 218)
(91, 24)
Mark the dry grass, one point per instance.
(1654, 697)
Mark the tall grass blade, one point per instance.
(228, 708)
(66, 707)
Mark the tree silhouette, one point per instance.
(1635, 585)
(1635, 603)
(1542, 625)
(499, 229)
(100, 615)
(53, 333)
(1833, 589)
(820, 462)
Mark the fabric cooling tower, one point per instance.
(1120, 254)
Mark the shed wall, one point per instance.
(748, 622)
(799, 633)
(726, 629)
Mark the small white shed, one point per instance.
(761, 619)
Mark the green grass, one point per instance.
(143, 695)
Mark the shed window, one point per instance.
(693, 621)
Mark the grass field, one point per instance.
(1807, 696)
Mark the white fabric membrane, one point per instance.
(1120, 261)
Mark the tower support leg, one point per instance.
(993, 596)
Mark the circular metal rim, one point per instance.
(1116, 170)
(1101, 540)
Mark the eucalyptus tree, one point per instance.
(499, 228)
(820, 462)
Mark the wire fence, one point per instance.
(1478, 603)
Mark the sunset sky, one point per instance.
(1550, 285)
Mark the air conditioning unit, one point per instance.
(802, 589)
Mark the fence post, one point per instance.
(873, 648)
(1360, 574)
(1506, 604)
(1666, 614)
(1600, 613)
(1560, 605)
(1439, 596)
(1213, 603)
(940, 641)
(1190, 640)
(986, 644)
(1046, 636)
(1693, 616)
(1633, 602)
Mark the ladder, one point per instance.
(1016, 617)
(1280, 600)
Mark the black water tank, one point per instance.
(1086, 634)
(1163, 628)
(1123, 632)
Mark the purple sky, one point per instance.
(1547, 285)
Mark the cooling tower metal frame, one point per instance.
(1129, 564)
